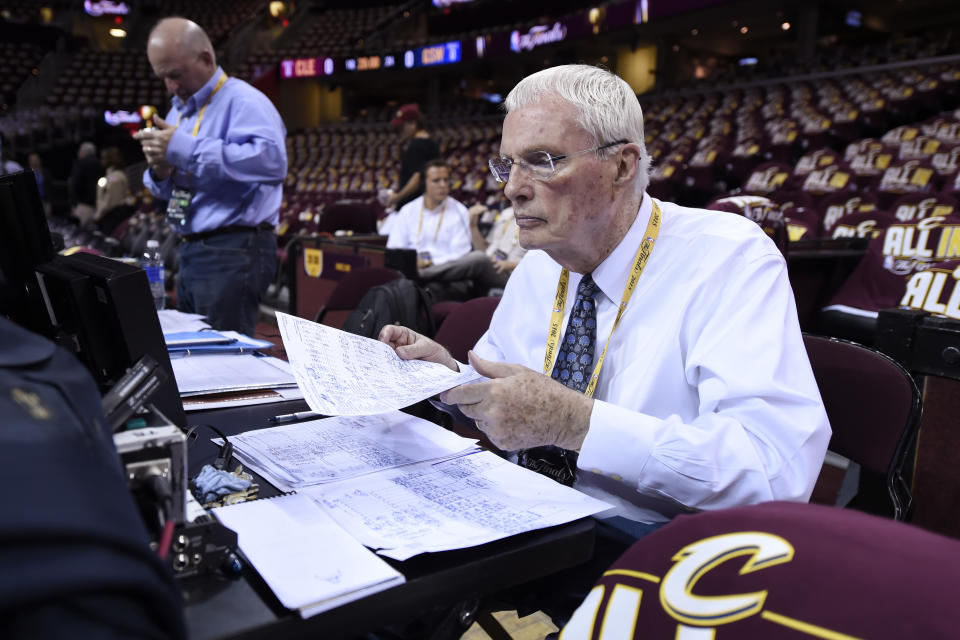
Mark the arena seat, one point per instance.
(874, 409)
(879, 280)
(762, 210)
(777, 570)
(349, 291)
(464, 325)
(837, 206)
(356, 216)
(902, 177)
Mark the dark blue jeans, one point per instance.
(223, 277)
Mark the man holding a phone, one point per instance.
(219, 159)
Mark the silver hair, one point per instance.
(87, 149)
(607, 107)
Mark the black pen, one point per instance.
(293, 417)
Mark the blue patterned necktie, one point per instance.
(574, 363)
(573, 368)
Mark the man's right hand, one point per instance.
(154, 142)
(476, 212)
(411, 345)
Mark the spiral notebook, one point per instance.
(309, 562)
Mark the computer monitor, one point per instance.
(25, 243)
(99, 309)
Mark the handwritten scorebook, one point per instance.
(449, 504)
(405, 486)
(293, 456)
(343, 374)
(310, 562)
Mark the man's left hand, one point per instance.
(519, 408)
(155, 142)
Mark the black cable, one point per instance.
(226, 451)
(160, 487)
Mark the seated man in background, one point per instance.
(679, 380)
(437, 226)
(486, 269)
(113, 188)
(495, 255)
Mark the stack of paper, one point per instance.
(219, 373)
(308, 453)
(396, 483)
(406, 486)
(216, 369)
(190, 343)
(450, 504)
(310, 563)
(172, 320)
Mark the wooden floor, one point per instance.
(536, 626)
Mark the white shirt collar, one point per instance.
(437, 209)
(611, 274)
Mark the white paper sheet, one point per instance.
(203, 402)
(208, 373)
(173, 321)
(306, 453)
(453, 504)
(344, 374)
(310, 563)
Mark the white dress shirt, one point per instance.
(706, 398)
(448, 242)
(504, 237)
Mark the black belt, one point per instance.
(233, 228)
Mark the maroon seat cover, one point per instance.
(777, 570)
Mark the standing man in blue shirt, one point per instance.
(219, 158)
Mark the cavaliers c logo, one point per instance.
(614, 611)
(693, 561)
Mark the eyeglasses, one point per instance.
(540, 164)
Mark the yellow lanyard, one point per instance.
(560, 302)
(439, 222)
(196, 126)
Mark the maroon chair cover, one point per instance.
(817, 159)
(935, 290)
(951, 185)
(442, 309)
(864, 223)
(803, 223)
(825, 181)
(946, 161)
(764, 211)
(835, 207)
(919, 206)
(892, 257)
(359, 217)
(349, 291)
(464, 325)
(767, 178)
(902, 177)
(777, 570)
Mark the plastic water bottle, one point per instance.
(152, 263)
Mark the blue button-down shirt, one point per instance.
(236, 164)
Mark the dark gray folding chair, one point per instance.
(874, 408)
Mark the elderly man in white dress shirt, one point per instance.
(680, 381)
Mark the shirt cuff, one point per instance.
(618, 443)
(159, 188)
